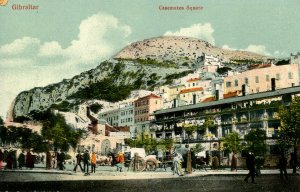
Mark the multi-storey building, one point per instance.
(263, 78)
(145, 106)
(126, 116)
(143, 109)
(111, 117)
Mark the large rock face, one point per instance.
(180, 49)
(41, 98)
(142, 64)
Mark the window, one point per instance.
(267, 77)
(236, 83)
(256, 79)
(290, 75)
(246, 81)
(277, 76)
(228, 84)
(193, 84)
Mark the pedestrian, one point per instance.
(188, 169)
(177, 164)
(121, 161)
(42, 159)
(233, 162)
(9, 161)
(194, 158)
(21, 160)
(61, 161)
(48, 160)
(86, 160)
(58, 166)
(78, 162)
(184, 153)
(93, 162)
(250, 162)
(1, 158)
(282, 166)
(29, 160)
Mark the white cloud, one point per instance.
(52, 48)
(228, 48)
(200, 31)
(99, 36)
(27, 62)
(20, 46)
(15, 62)
(259, 49)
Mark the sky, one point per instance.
(63, 38)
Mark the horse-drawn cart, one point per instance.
(138, 161)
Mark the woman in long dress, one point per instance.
(177, 164)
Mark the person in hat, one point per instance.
(250, 162)
(78, 162)
(21, 160)
(86, 160)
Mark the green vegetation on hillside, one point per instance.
(223, 70)
(244, 61)
(96, 107)
(149, 61)
(169, 78)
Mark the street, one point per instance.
(108, 179)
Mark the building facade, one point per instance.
(263, 78)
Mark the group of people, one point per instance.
(86, 159)
(184, 161)
(250, 162)
(92, 160)
(55, 160)
(13, 162)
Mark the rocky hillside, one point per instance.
(111, 81)
(181, 50)
(141, 65)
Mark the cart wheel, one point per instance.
(137, 164)
(151, 164)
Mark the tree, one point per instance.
(189, 129)
(289, 133)
(231, 143)
(198, 148)
(56, 130)
(208, 124)
(256, 142)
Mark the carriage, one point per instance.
(136, 160)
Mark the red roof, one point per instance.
(230, 94)
(193, 79)
(149, 96)
(109, 128)
(209, 99)
(191, 90)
